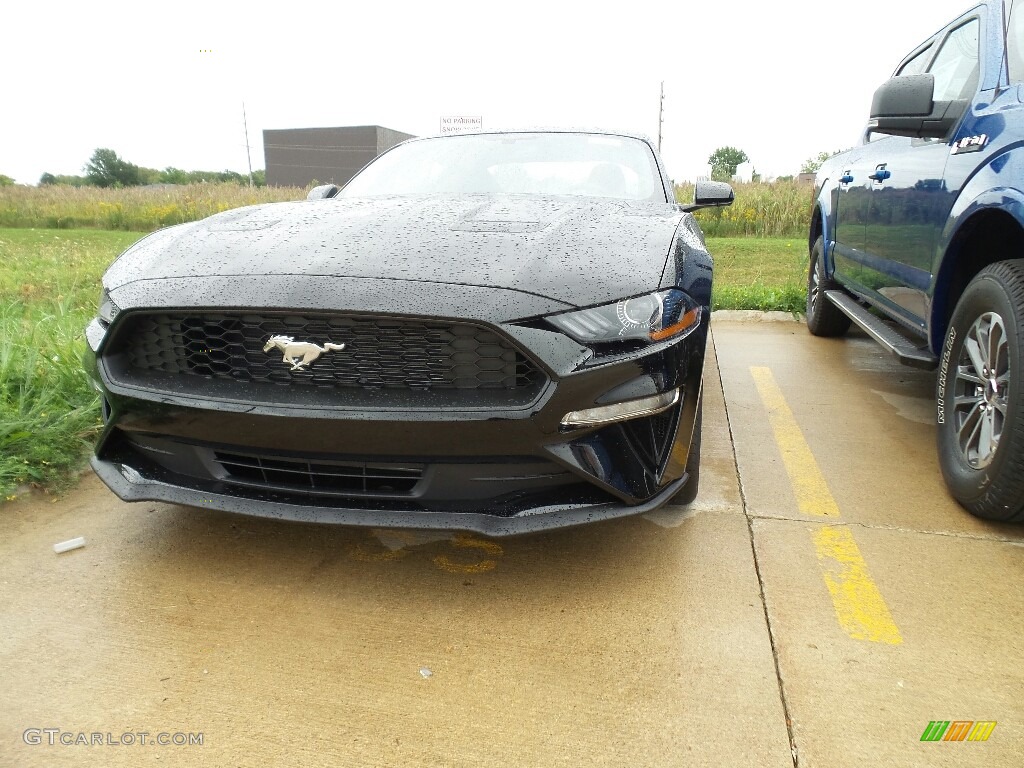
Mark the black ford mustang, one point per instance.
(497, 332)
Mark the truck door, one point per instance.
(852, 207)
(911, 193)
(854, 264)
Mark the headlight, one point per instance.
(652, 317)
(108, 309)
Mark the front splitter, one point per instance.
(129, 485)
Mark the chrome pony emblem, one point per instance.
(299, 354)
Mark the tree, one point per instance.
(812, 164)
(149, 175)
(172, 175)
(106, 169)
(6, 181)
(235, 176)
(48, 179)
(724, 161)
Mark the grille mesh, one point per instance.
(379, 353)
(323, 477)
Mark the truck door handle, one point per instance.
(846, 178)
(880, 174)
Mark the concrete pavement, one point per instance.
(727, 633)
(948, 583)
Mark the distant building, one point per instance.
(297, 156)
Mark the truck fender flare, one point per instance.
(971, 202)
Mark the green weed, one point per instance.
(49, 284)
(761, 209)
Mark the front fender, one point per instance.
(824, 211)
(689, 266)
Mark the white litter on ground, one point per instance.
(67, 546)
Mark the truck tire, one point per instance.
(980, 395)
(823, 317)
(689, 491)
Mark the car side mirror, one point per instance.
(323, 192)
(710, 194)
(905, 106)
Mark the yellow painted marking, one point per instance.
(859, 605)
(362, 552)
(468, 542)
(982, 730)
(375, 552)
(812, 494)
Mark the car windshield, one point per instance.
(596, 165)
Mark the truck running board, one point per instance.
(903, 348)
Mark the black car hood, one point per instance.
(576, 251)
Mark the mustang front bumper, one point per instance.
(494, 470)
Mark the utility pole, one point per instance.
(661, 113)
(248, 155)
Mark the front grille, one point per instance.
(344, 479)
(498, 486)
(379, 353)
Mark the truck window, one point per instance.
(1015, 42)
(917, 64)
(956, 64)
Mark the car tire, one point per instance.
(981, 414)
(823, 317)
(689, 491)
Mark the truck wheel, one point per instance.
(689, 491)
(823, 317)
(980, 395)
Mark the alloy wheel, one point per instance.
(982, 390)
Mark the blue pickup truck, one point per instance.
(917, 235)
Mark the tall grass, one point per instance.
(49, 413)
(136, 209)
(761, 209)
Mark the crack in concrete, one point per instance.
(879, 527)
(757, 571)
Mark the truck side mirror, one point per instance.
(905, 106)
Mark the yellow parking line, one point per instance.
(812, 494)
(860, 607)
(858, 603)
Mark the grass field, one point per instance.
(761, 209)
(49, 286)
(136, 209)
(766, 273)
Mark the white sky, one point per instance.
(781, 81)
